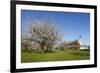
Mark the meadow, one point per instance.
(58, 55)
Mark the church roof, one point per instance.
(76, 42)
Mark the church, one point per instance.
(76, 44)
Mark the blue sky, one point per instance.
(71, 24)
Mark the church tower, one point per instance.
(80, 40)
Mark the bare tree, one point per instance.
(45, 33)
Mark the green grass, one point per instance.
(54, 56)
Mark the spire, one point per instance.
(80, 39)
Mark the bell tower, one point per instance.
(80, 40)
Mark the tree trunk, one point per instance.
(42, 44)
(25, 48)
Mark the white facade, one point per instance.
(84, 47)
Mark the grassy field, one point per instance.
(54, 56)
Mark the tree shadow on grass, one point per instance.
(36, 51)
(50, 51)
